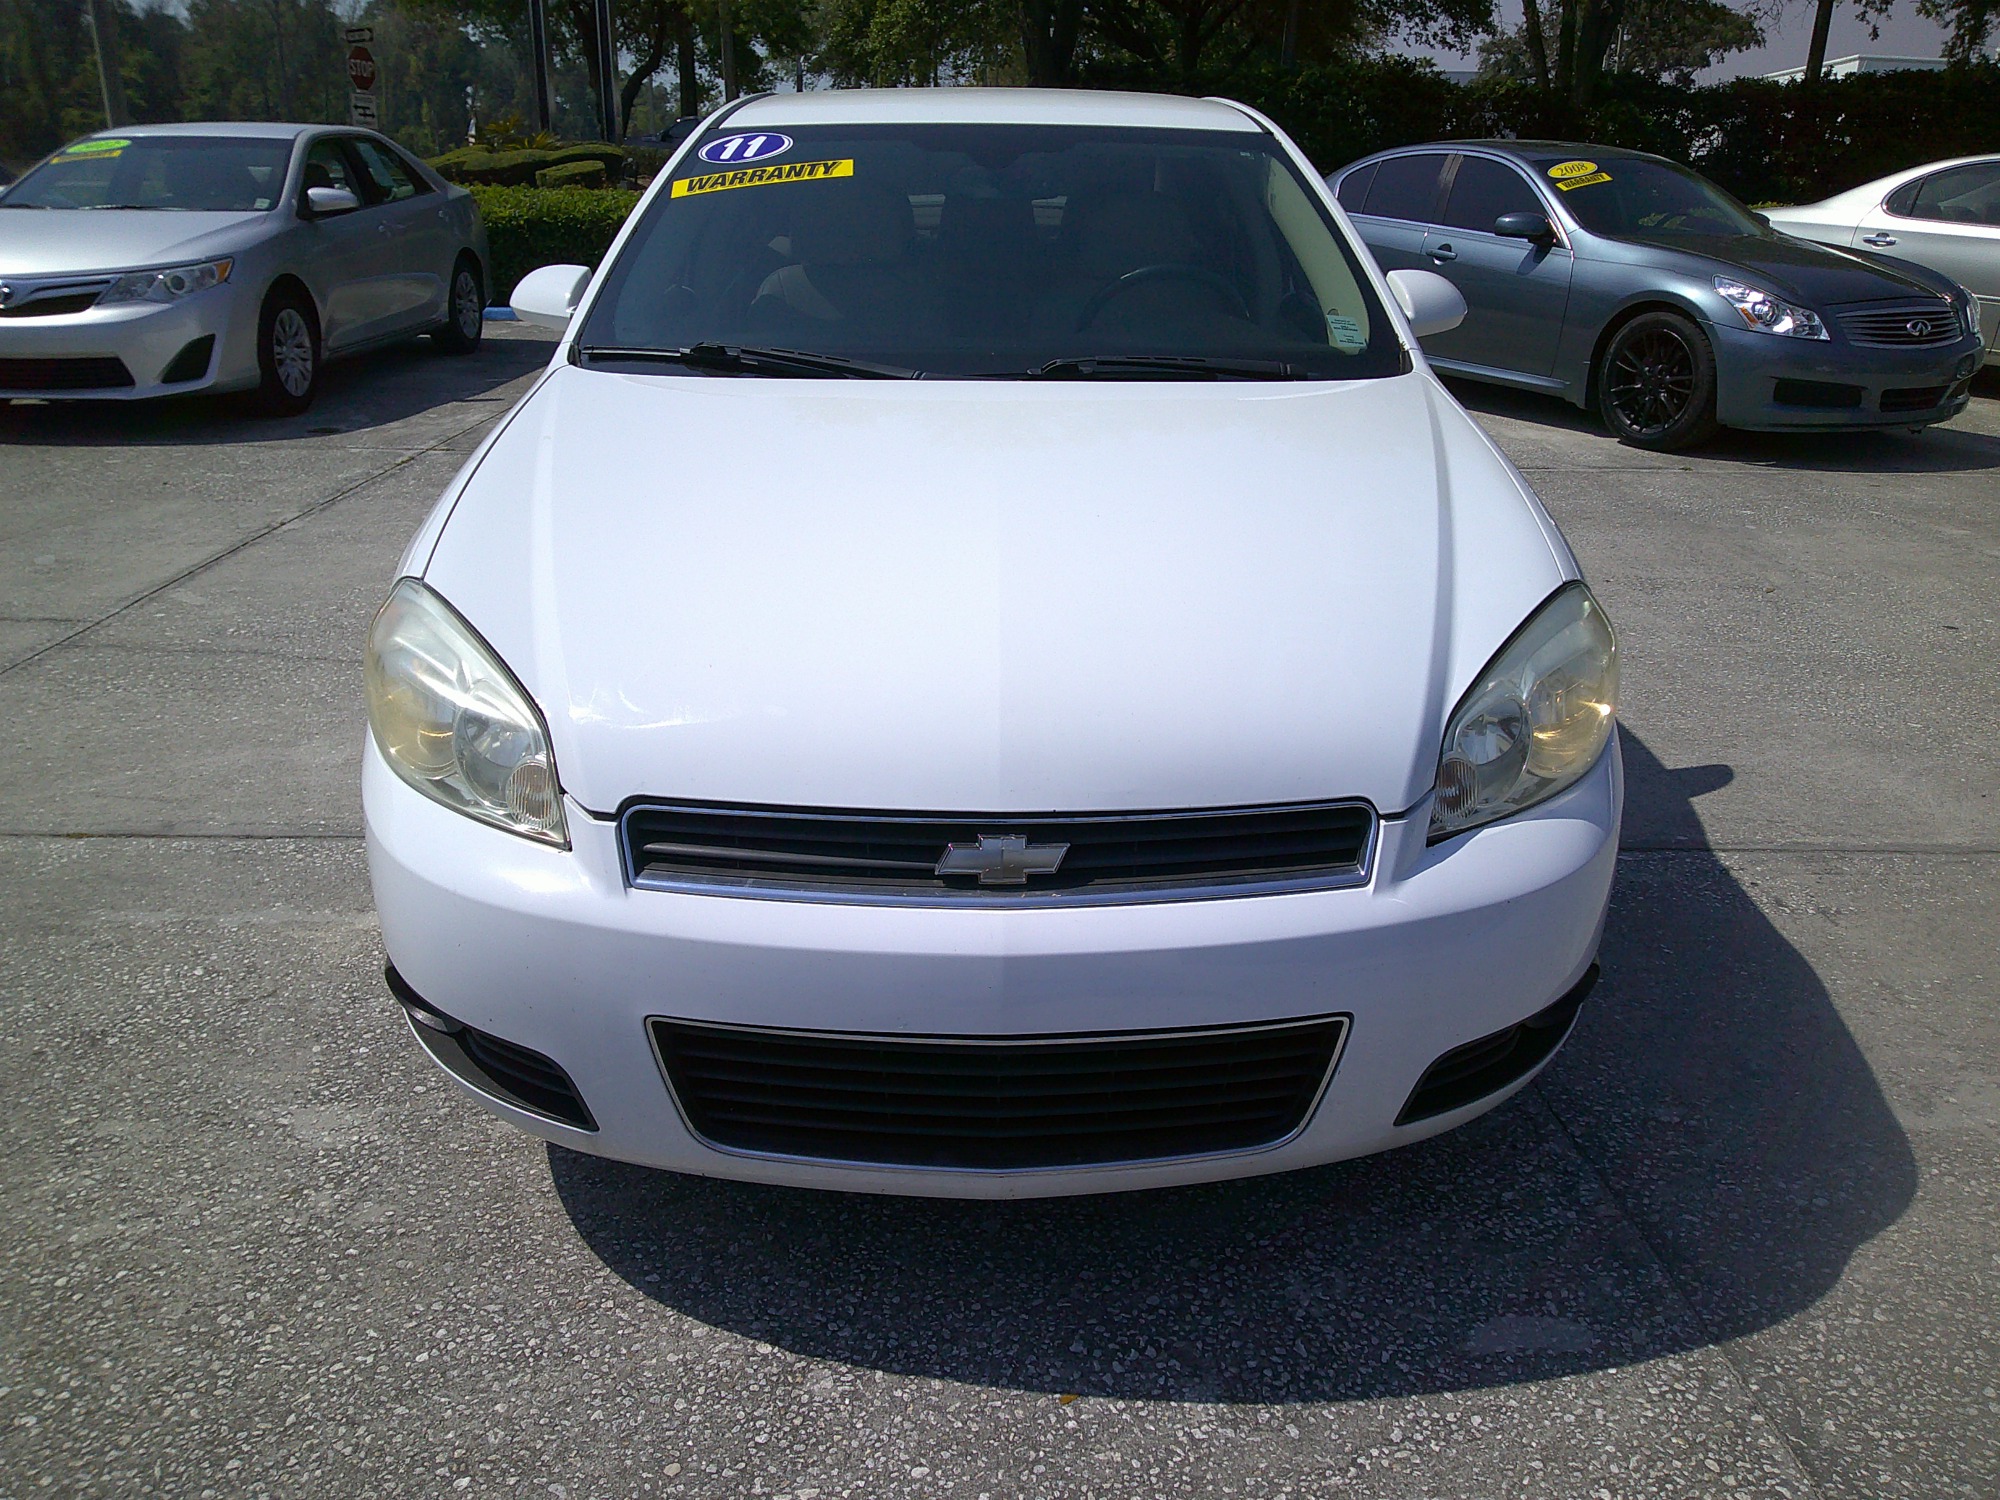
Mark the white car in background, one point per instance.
(988, 665)
(1945, 215)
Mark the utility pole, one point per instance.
(607, 76)
(1288, 49)
(538, 34)
(110, 78)
(728, 53)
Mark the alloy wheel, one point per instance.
(465, 303)
(292, 351)
(1652, 381)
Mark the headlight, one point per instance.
(169, 285)
(1767, 314)
(1536, 719)
(452, 722)
(1968, 305)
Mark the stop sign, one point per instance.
(361, 68)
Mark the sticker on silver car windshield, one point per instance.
(1345, 334)
(784, 171)
(741, 150)
(1576, 174)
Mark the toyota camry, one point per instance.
(988, 665)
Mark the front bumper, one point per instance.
(1766, 383)
(552, 951)
(128, 352)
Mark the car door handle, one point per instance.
(1878, 238)
(1442, 253)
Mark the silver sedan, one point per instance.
(1944, 215)
(163, 259)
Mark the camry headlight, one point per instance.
(169, 285)
(1768, 314)
(1535, 720)
(451, 720)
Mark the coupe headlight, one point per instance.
(169, 285)
(1535, 721)
(451, 720)
(1768, 314)
(1968, 307)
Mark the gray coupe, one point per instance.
(1627, 283)
(161, 259)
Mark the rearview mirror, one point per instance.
(1432, 304)
(321, 201)
(1528, 225)
(548, 295)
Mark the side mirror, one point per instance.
(323, 201)
(1432, 304)
(1526, 226)
(1764, 219)
(548, 295)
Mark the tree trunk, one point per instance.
(1288, 47)
(1816, 49)
(110, 76)
(728, 53)
(640, 75)
(688, 101)
(1566, 47)
(1538, 46)
(1048, 38)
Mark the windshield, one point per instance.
(1631, 197)
(191, 173)
(991, 250)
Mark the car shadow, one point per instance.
(1700, 1162)
(1937, 450)
(370, 390)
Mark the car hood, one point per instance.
(57, 241)
(1801, 271)
(969, 596)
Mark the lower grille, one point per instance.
(1007, 859)
(191, 363)
(1471, 1072)
(1916, 324)
(52, 307)
(1920, 398)
(1816, 393)
(998, 1104)
(493, 1065)
(64, 374)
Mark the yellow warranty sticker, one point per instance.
(1576, 174)
(789, 171)
(92, 148)
(1577, 182)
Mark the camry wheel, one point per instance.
(1656, 383)
(287, 354)
(467, 316)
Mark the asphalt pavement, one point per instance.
(1742, 1239)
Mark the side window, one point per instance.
(1405, 187)
(1483, 190)
(1354, 187)
(388, 179)
(1959, 195)
(327, 166)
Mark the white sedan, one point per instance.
(986, 666)
(1944, 215)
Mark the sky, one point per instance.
(1904, 34)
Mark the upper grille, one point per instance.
(895, 857)
(998, 1104)
(1892, 325)
(53, 299)
(64, 374)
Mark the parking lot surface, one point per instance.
(1742, 1239)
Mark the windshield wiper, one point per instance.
(746, 359)
(1189, 365)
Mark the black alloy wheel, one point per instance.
(465, 310)
(287, 354)
(1656, 383)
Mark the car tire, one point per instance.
(1656, 383)
(288, 354)
(465, 310)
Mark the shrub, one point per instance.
(528, 227)
(579, 174)
(477, 165)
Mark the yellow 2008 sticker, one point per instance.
(91, 148)
(1576, 174)
(790, 171)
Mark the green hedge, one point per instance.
(1765, 142)
(528, 227)
(476, 165)
(580, 174)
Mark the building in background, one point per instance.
(1847, 67)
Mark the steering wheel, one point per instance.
(1163, 272)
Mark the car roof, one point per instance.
(1520, 150)
(240, 129)
(990, 106)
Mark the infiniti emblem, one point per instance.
(1918, 328)
(1002, 859)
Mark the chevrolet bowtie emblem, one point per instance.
(1002, 859)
